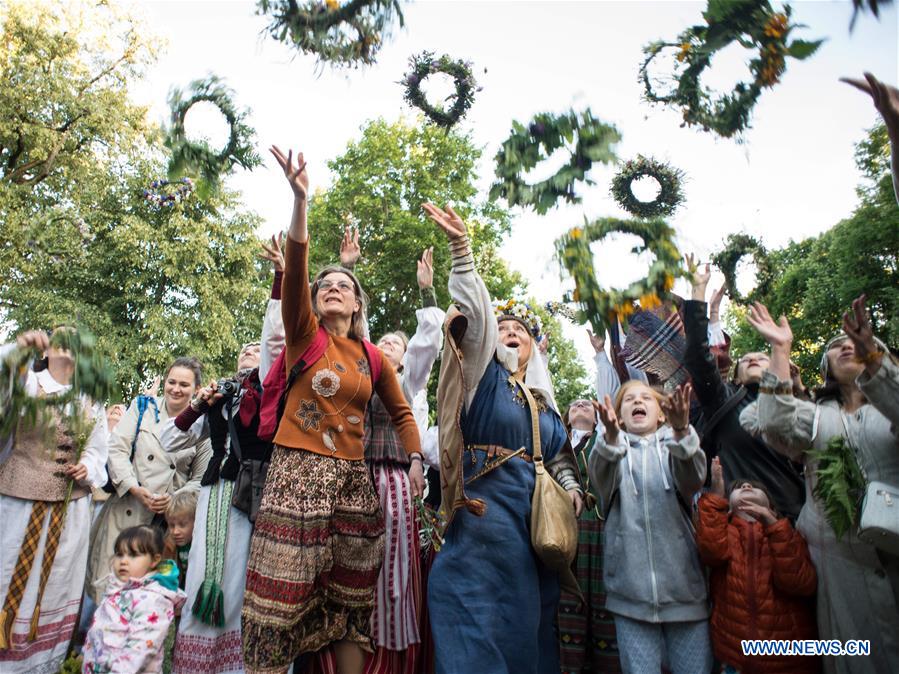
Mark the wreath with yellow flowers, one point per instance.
(752, 23)
(670, 195)
(602, 307)
(528, 145)
(425, 64)
(738, 246)
(197, 156)
(339, 34)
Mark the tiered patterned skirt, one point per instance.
(315, 556)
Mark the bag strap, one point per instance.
(535, 422)
(232, 431)
(728, 405)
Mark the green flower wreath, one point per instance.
(424, 65)
(751, 23)
(669, 179)
(603, 307)
(340, 34)
(738, 246)
(188, 155)
(531, 144)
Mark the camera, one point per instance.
(228, 387)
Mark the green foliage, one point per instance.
(752, 23)
(423, 65)
(816, 279)
(589, 139)
(738, 246)
(190, 156)
(670, 194)
(78, 241)
(839, 484)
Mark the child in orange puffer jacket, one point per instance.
(762, 579)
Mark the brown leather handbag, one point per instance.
(554, 529)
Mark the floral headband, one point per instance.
(521, 312)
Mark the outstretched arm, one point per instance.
(886, 100)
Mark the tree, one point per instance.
(820, 276)
(80, 244)
(380, 182)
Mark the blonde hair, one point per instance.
(182, 503)
(634, 383)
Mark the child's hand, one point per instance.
(764, 515)
(717, 477)
(677, 409)
(609, 419)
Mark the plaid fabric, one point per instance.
(54, 533)
(23, 569)
(656, 345)
(380, 439)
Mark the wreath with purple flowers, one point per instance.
(422, 66)
(159, 197)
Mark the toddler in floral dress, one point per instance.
(130, 625)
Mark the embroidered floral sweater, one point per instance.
(130, 625)
(326, 405)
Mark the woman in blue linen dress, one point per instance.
(492, 602)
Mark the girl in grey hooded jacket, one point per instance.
(645, 473)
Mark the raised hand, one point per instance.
(760, 513)
(350, 251)
(715, 303)
(717, 486)
(609, 419)
(677, 408)
(297, 176)
(699, 278)
(274, 252)
(425, 272)
(448, 220)
(886, 98)
(857, 326)
(776, 334)
(598, 342)
(34, 339)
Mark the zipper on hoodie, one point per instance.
(753, 608)
(652, 567)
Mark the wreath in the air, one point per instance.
(158, 196)
(670, 194)
(603, 307)
(341, 34)
(752, 23)
(425, 64)
(196, 156)
(737, 246)
(527, 146)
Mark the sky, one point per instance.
(791, 177)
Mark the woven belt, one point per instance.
(497, 450)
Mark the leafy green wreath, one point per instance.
(670, 193)
(339, 34)
(528, 145)
(602, 307)
(754, 25)
(738, 246)
(188, 155)
(92, 377)
(425, 64)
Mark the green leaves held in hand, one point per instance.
(839, 484)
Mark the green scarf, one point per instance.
(209, 606)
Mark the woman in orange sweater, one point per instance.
(763, 581)
(318, 544)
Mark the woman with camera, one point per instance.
(143, 475)
(318, 544)
(226, 412)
